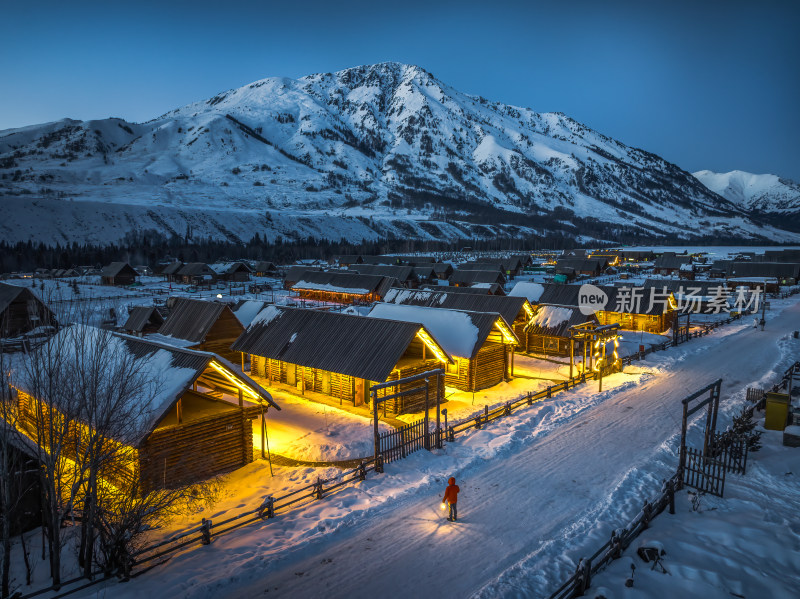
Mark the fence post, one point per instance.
(616, 544)
(379, 463)
(362, 471)
(671, 495)
(508, 409)
(451, 434)
(647, 512)
(549, 392)
(205, 532)
(267, 509)
(478, 422)
(530, 399)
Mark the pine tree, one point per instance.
(744, 424)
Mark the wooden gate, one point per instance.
(731, 450)
(397, 444)
(705, 474)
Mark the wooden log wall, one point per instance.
(221, 336)
(416, 401)
(342, 386)
(197, 450)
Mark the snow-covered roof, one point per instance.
(156, 374)
(527, 289)
(247, 310)
(459, 332)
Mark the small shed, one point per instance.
(22, 311)
(333, 355)
(143, 320)
(118, 273)
(193, 422)
(481, 343)
(443, 270)
(209, 326)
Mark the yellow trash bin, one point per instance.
(777, 411)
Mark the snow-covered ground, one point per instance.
(539, 490)
(746, 544)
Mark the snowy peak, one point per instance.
(763, 193)
(388, 143)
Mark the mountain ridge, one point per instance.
(386, 149)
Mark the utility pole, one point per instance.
(764, 307)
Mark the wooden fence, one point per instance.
(397, 444)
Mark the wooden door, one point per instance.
(291, 374)
(326, 382)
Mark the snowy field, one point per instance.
(539, 490)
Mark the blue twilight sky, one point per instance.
(705, 84)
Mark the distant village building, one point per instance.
(143, 320)
(343, 287)
(469, 278)
(234, 272)
(118, 273)
(548, 331)
(670, 264)
(170, 272)
(263, 268)
(295, 273)
(207, 326)
(197, 273)
(405, 275)
(22, 311)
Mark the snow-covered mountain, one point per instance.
(367, 152)
(762, 193)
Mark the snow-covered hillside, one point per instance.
(387, 149)
(762, 193)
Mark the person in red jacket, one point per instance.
(451, 497)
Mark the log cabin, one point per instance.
(263, 268)
(481, 343)
(548, 331)
(348, 260)
(197, 273)
(143, 320)
(405, 275)
(170, 272)
(649, 311)
(201, 325)
(343, 287)
(468, 278)
(118, 273)
(21, 311)
(786, 273)
(443, 270)
(295, 273)
(517, 311)
(329, 355)
(670, 264)
(590, 267)
(192, 420)
(234, 272)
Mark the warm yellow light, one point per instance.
(443, 506)
(508, 334)
(431, 345)
(528, 310)
(235, 381)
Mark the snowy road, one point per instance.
(520, 510)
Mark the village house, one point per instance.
(670, 264)
(481, 343)
(143, 320)
(334, 356)
(785, 273)
(207, 326)
(345, 261)
(295, 273)
(443, 270)
(170, 272)
(470, 278)
(197, 273)
(22, 311)
(118, 273)
(517, 311)
(644, 310)
(233, 272)
(476, 289)
(573, 267)
(263, 268)
(510, 267)
(343, 287)
(193, 421)
(548, 331)
(405, 275)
